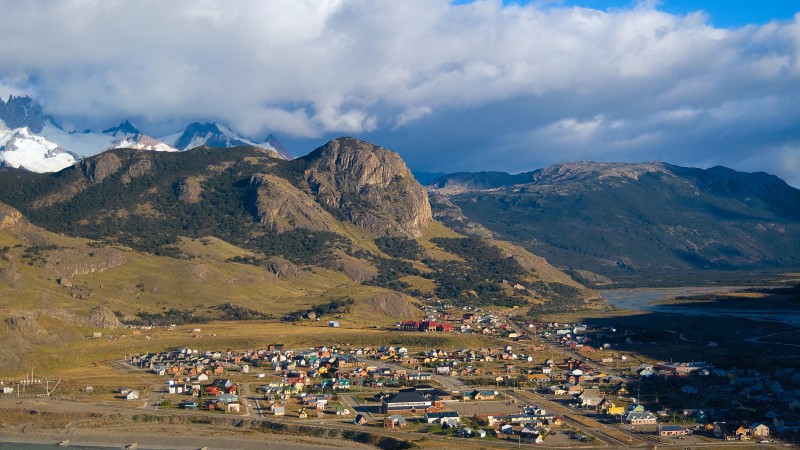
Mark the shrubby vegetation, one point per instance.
(144, 212)
(478, 280)
(229, 311)
(169, 317)
(338, 306)
(398, 247)
(563, 298)
(389, 273)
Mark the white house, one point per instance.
(759, 429)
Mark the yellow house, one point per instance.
(616, 410)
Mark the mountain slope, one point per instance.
(344, 210)
(633, 220)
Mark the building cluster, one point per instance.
(469, 322)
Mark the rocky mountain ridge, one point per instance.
(166, 236)
(623, 220)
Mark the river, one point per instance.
(643, 299)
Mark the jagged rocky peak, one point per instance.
(354, 164)
(273, 142)
(122, 130)
(370, 185)
(20, 112)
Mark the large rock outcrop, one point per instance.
(370, 186)
(282, 207)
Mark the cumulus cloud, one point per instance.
(524, 85)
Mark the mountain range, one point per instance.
(32, 140)
(603, 223)
(615, 221)
(175, 237)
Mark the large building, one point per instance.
(406, 402)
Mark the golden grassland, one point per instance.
(84, 354)
(50, 282)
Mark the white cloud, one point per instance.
(630, 81)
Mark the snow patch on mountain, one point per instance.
(83, 143)
(143, 142)
(23, 150)
(217, 135)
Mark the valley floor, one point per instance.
(48, 421)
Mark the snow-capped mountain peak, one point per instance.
(143, 142)
(211, 134)
(217, 135)
(20, 148)
(275, 144)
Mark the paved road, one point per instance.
(577, 419)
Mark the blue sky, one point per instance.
(722, 13)
(480, 85)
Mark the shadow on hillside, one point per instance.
(725, 342)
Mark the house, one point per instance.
(482, 394)
(8, 389)
(233, 408)
(394, 421)
(360, 419)
(640, 418)
(448, 418)
(132, 395)
(420, 376)
(279, 410)
(672, 430)
(228, 398)
(405, 402)
(409, 325)
(759, 429)
(591, 397)
(743, 434)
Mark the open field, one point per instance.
(84, 355)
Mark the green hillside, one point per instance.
(636, 222)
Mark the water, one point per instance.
(642, 299)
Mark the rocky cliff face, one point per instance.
(10, 218)
(282, 207)
(22, 112)
(370, 186)
(101, 167)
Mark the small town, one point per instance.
(551, 384)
